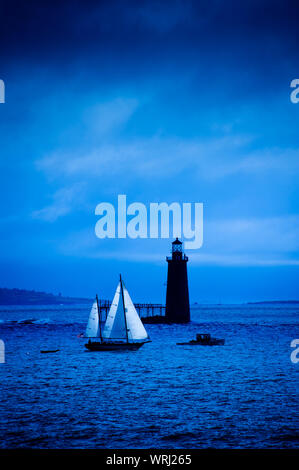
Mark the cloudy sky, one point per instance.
(163, 101)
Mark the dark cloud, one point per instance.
(194, 92)
(67, 30)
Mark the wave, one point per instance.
(27, 321)
(30, 321)
(286, 437)
(24, 322)
(179, 436)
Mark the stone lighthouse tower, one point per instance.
(177, 296)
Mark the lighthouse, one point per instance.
(177, 296)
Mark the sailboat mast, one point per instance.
(122, 294)
(99, 313)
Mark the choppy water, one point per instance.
(243, 394)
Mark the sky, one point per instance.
(173, 101)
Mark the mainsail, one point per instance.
(115, 325)
(92, 329)
(123, 322)
(136, 330)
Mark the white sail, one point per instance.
(92, 329)
(136, 330)
(115, 326)
(122, 316)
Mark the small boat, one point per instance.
(123, 329)
(204, 339)
(49, 351)
(28, 321)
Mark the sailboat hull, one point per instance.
(97, 346)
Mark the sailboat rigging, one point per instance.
(123, 328)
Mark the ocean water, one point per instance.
(240, 395)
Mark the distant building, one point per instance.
(177, 296)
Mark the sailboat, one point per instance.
(123, 328)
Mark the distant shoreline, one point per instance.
(275, 302)
(27, 297)
(30, 297)
(261, 302)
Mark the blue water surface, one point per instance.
(240, 395)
